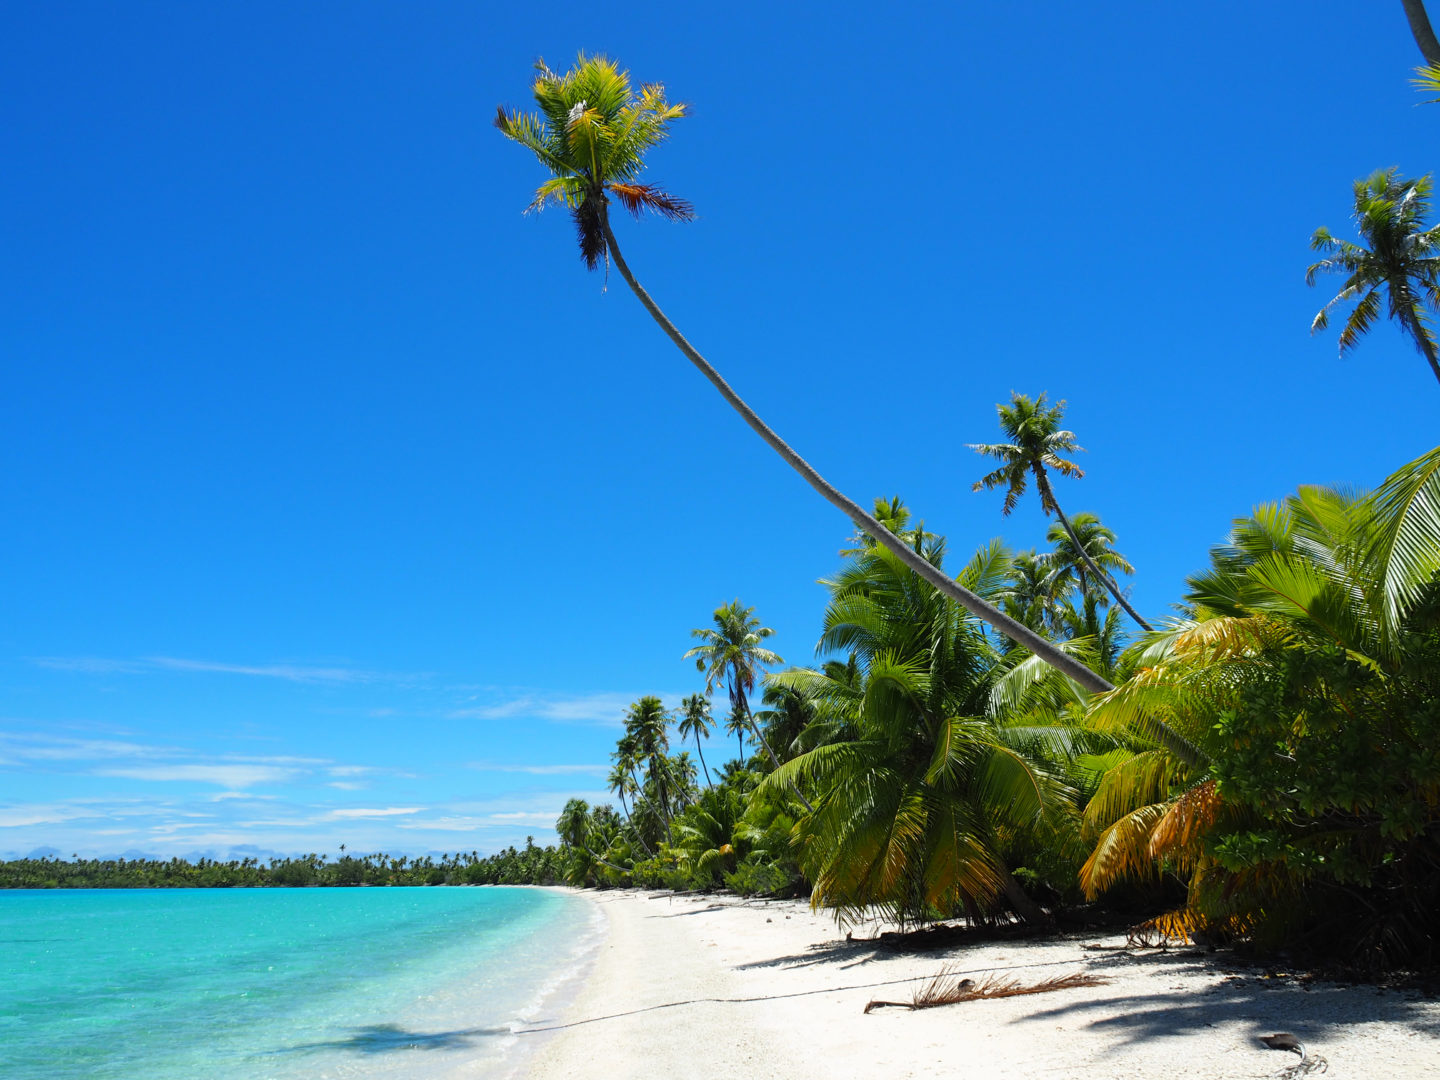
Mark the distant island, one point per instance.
(531, 865)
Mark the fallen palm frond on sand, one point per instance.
(947, 989)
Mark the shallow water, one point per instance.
(253, 984)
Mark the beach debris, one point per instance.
(1283, 1040)
(948, 989)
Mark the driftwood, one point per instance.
(946, 989)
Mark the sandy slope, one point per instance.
(701, 987)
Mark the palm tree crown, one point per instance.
(1397, 254)
(592, 133)
(732, 654)
(1036, 444)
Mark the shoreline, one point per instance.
(723, 987)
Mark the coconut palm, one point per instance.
(592, 133)
(738, 724)
(1396, 256)
(787, 717)
(645, 723)
(1067, 565)
(732, 655)
(1036, 445)
(914, 803)
(695, 722)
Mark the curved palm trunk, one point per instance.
(1048, 495)
(700, 750)
(1012, 629)
(1421, 30)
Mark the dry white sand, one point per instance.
(710, 987)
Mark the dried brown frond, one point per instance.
(589, 232)
(1187, 819)
(947, 989)
(638, 197)
(502, 121)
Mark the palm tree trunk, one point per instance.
(699, 750)
(629, 820)
(1048, 495)
(1020, 900)
(1427, 345)
(1421, 30)
(1012, 629)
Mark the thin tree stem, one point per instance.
(1015, 631)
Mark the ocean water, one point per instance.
(281, 984)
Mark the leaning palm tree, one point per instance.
(695, 721)
(1036, 445)
(592, 133)
(1397, 255)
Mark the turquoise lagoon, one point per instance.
(253, 984)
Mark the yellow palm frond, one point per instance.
(1123, 851)
(1186, 821)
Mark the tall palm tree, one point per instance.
(732, 654)
(1036, 444)
(1096, 541)
(1397, 254)
(738, 724)
(592, 134)
(695, 722)
(645, 722)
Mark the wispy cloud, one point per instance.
(380, 812)
(543, 770)
(301, 673)
(598, 708)
(62, 748)
(230, 776)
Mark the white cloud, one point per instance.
(598, 708)
(96, 665)
(20, 815)
(61, 748)
(226, 776)
(291, 672)
(389, 811)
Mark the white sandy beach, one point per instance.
(701, 987)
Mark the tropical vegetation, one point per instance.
(996, 744)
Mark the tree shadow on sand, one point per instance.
(384, 1038)
(1311, 1009)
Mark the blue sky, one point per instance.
(343, 506)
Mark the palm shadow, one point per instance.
(385, 1038)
